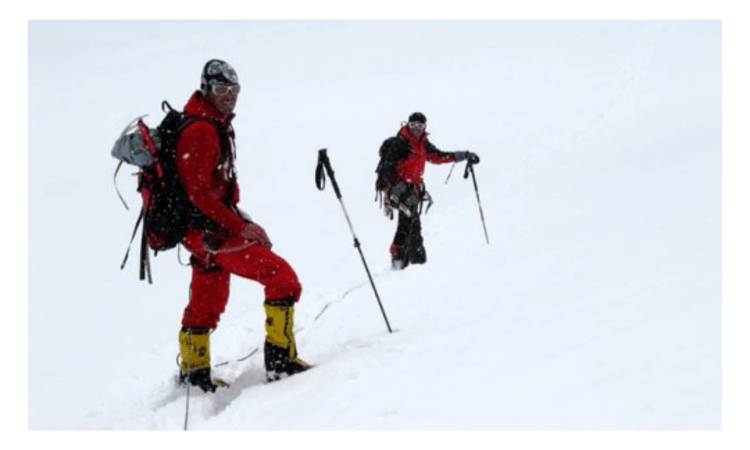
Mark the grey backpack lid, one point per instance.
(131, 148)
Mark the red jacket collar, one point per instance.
(198, 105)
(407, 135)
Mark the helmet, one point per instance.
(418, 117)
(216, 72)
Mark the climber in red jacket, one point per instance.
(402, 162)
(226, 241)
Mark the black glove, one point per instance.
(464, 155)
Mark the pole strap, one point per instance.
(320, 179)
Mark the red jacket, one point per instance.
(411, 168)
(206, 178)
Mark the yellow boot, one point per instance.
(280, 349)
(195, 359)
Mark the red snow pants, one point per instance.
(209, 288)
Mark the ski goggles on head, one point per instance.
(418, 125)
(224, 89)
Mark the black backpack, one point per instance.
(167, 213)
(388, 157)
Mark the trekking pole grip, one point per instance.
(325, 163)
(469, 168)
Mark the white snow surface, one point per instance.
(596, 304)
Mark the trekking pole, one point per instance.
(449, 173)
(470, 168)
(325, 163)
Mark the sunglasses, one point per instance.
(419, 125)
(223, 89)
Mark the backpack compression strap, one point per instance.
(150, 146)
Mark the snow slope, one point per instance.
(596, 305)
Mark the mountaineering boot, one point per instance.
(195, 359)
(418, 255)
(280, 349)
(399, 259)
